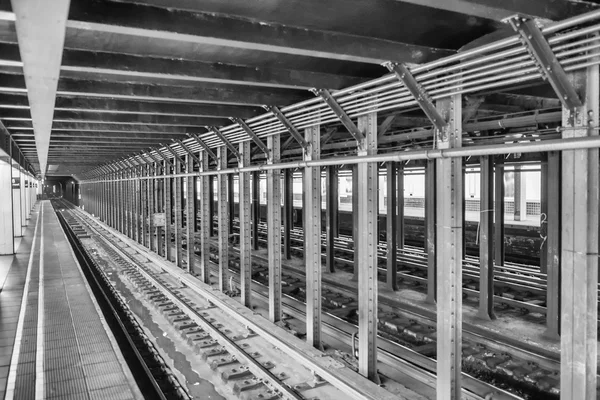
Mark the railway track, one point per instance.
(253, 367)
(518, 286)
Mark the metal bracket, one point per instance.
(252, 135)
(420, 95)
(204, 146)
(226, 142)
(551, 70)
(340, 113)
(167, 161)
(288, 125)
(156, 160)
(190, 152)
(175, 155)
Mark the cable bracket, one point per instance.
(252, 135)
(340, 113)
(421, 96)
(226, 142)
(541, 52)
(288, 125)
(204, 146)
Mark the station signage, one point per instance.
(16, 183)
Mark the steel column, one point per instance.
(312, 236)
(367, 195)
(245, 222)
(205, 217)
(274, 229)
(288, 212)
(486, 236)
(211, 204)
(391, 264)
(190, 214)
(579, 239)
(145, 212)
(178, 214)
(552, 244)
(255, 208)
(223, 216)
(449, 236)
(499, 213)
(400, 206)
(544, 214)
(430, 230)
(231, 203)
(168, 209)
(331, 214)
(355, 231)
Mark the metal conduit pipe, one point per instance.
(590, 142)
(388, 89)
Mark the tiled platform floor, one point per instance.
(65, 352)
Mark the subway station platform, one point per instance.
(54, 342)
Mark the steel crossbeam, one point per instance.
(549, 67)
(261, 145)
(421, 96)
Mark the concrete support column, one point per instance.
(205, 199)
(223, 217)
(368, 210)
(274, 229)
(245, 227)
(312, 236)
(579, 239)
(23, 194)
(449, 237)
(520, 197)
(7, 240)
(16, 201)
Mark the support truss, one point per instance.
(341, 114)
(420, 95)
(226, 142)
(252, 135)
(204, 146)
(189, 152)
(288, 125)
(551, 70)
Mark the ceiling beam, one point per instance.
(115, 106)
(108, 118)
(80, 64)
(41, 27)
(211, 29)
(200, 93)
(107, 126)
(500, 9)
(21, 136)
